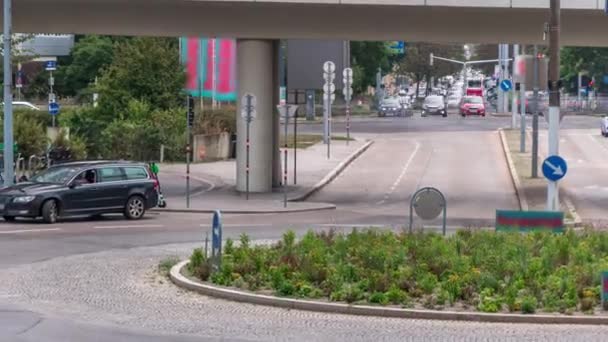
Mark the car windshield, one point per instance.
(433, 100)
(390, 102)
(57, 175)
(474, 100)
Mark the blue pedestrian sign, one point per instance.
(53, 108)
(50, 66)
(216, 239)
(554, 168)
(506, 85)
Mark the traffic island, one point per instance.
(471, 276)
(531, 192)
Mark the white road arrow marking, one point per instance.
(557, 170)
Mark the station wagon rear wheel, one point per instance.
(135, 208)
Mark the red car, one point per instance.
(472, 105)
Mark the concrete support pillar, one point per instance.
(255, 71)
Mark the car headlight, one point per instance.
(23, 199)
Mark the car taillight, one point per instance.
(156, 183)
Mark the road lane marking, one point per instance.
(21, 231)
(400, 178)
(130, 226)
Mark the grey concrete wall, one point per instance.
(211, 147)
(521, 22)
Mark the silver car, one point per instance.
(604, 126)
(434, 105)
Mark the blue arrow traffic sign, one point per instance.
(50, 66)
(506, 85)
(53, 108)
(554, 168)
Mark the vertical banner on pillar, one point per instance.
(197, 56)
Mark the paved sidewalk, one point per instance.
(314, 170)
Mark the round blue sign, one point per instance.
(53, 108)
(506, 85)
(554, 168)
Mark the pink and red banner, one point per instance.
(207, 78)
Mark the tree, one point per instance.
(146, 69)
(366, 58)
(417, 61)
(592, 60)
(87, 59)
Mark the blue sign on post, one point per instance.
(506, 85)
(50, 65)
(554, 168)
(216, 239)
(53, 108)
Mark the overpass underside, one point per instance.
(310, 19)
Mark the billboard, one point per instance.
(210, 67)
(305, 58)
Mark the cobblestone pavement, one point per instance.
(123, 289)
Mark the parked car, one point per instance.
(392, 106)
(434, 105)
(543, 103)
(81, 189)
(604, 125)
(472, 105)
(23, 105)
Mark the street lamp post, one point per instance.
(8, 97)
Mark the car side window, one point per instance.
(134, 173)
(86, 177)
(110, 174)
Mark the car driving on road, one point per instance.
(393, 106)
(81, 189)
(472, 105)
(434, 105)
(605, 126)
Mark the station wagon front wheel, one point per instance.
(135, 208)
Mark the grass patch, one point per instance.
(307, 140)
(481, 270)
(165, 265)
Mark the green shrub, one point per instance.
(199, 265)
(486, 270)
(378, 298)
(528, 305)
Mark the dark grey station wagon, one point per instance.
(81, 189)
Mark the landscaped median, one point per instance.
(472, 275)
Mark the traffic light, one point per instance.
(190, 113)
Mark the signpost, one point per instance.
(506, 85)
(286, 112)
(554, 168)
(428, 204)
(216, 240)
(248, 112)
(190, 122)
(348, 94)
(529, 221)
(329, 88)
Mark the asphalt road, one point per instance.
(63, 282)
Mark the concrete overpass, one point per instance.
(474, 21)
(258, 24)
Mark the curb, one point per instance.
(333, 173)
(577, 221)
(519, 191)
(364, 310)
(322, 206)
